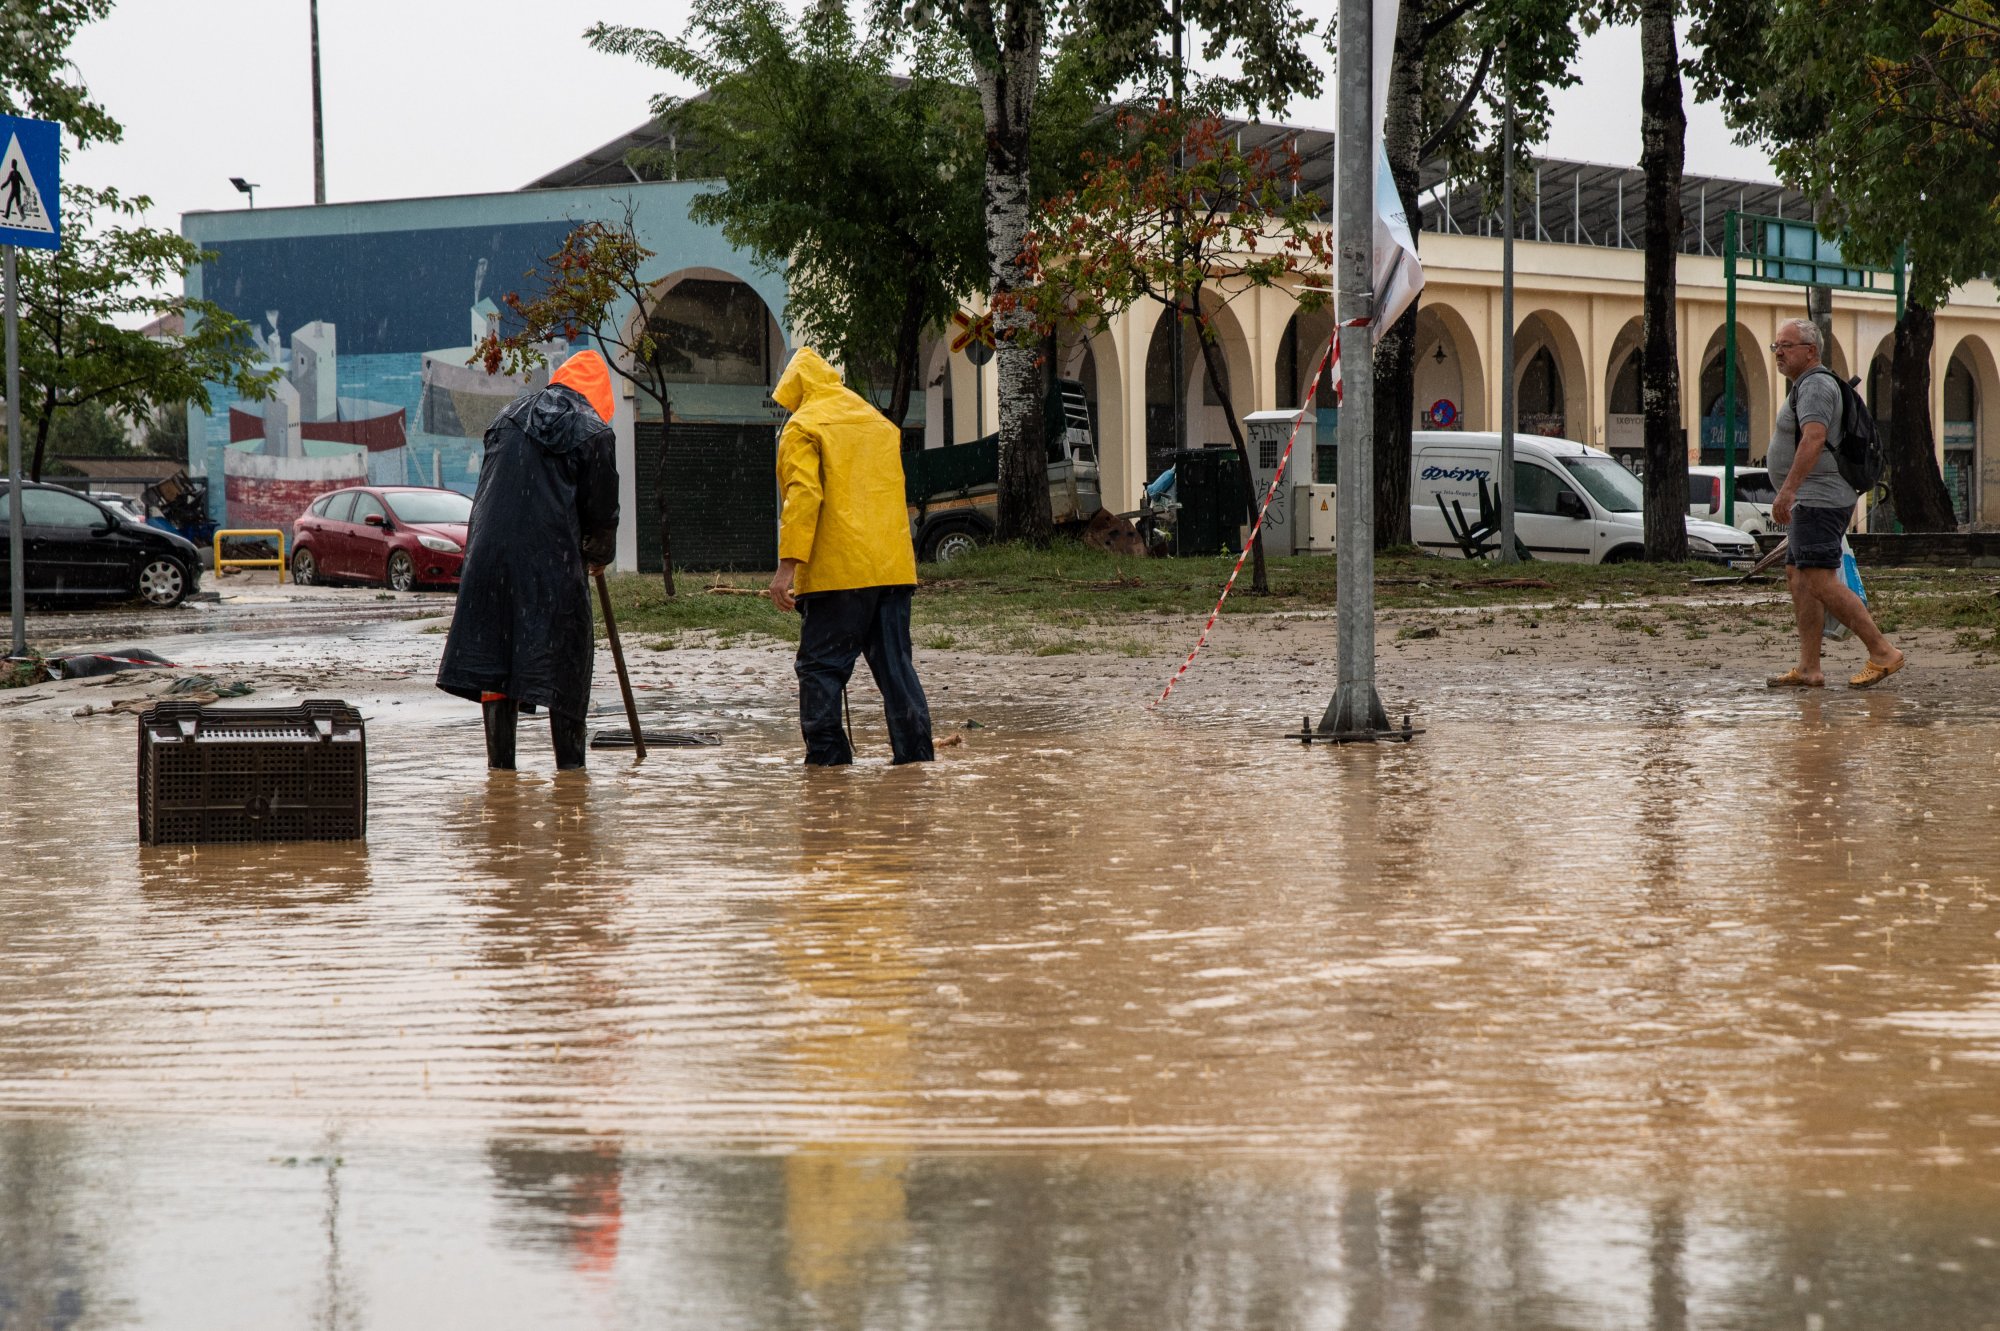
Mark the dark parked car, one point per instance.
(75, 547)
(399, 535)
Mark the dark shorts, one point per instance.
(1815, 536)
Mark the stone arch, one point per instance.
(1878, 386)
(1460, 377)
(1753, 398)
(1624, 408)
(1206, 420)
(1093, 360)
(1973, 435)
(723, 340)
(1549, 377)
(942, 399)
(1299, 350)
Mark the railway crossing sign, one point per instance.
(974, 336)
(30, 184)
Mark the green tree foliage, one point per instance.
(1447, 85)
(861, 186)
(1113, 41)
(89, 431)
(1184, 217)
(1877, 111)
(77, 348)
(37, 79)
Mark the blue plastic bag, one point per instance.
(1850, 573)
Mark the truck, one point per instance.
(954, 492)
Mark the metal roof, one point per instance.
(1576, 203)
(1585, 203)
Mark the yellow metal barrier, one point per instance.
(278, 563)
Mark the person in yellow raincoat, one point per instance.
(845, 560)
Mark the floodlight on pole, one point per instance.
(245, 187)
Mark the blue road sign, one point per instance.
(30, 183)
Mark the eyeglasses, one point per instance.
(1783, 346)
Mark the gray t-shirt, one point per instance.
(1814, 397)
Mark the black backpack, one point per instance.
(1858, 451)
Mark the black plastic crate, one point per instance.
(295, 773)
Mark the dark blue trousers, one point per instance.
(873, 622)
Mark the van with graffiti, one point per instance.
(1571, 502)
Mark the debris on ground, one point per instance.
(86, 665)
(1107, 531)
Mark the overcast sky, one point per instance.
(465, 96)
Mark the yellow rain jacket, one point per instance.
(840, 472)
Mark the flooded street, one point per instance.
(1614, 1001)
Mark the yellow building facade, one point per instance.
(1577, 310)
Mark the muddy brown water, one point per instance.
(1602, 1005)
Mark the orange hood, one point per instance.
(586, 373)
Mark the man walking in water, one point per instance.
(1818, 504)
(845, 560)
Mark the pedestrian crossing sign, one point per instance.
(30, 184)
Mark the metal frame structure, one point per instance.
(1780, 252)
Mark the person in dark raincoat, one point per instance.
(544, 520)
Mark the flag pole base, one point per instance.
(1382, 733)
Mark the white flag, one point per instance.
(1398, 276)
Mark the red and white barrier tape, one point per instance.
(1332, 350)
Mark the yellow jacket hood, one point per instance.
(840, 470)
(807, 377)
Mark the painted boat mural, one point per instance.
(461, 399)
(305, 439)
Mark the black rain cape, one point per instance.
(545, 509)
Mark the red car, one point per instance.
(403, 536)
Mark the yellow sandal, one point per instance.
(1872, 674)
(1792, 679)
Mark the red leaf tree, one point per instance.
(1181, 215)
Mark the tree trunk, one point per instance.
(1007, 80)
(1915, 481)
(909, 341)
(1395, 347)
(1212, 365)
(44, 419)
(1663, 137)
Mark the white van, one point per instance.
(1571, 502)
(1755, 493)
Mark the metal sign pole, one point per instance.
(1729, 370)
(1356, 710)
(1507, 552)
(16, 573)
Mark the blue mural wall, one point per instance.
(371, 311)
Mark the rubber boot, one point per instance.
(500, 718)
(572, 737)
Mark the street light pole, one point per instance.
(1356, 711)
(319, 134)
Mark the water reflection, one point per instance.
(1643, 1012)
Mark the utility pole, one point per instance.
(1356, 711)
(319, 132)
